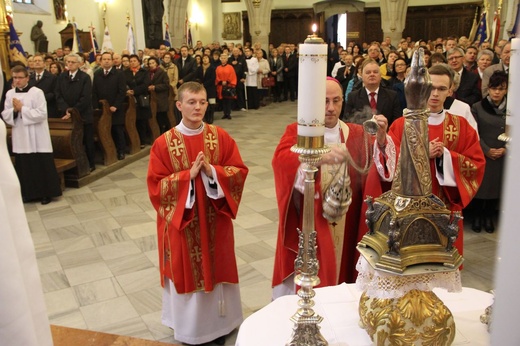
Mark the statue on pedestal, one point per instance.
(153, 11)
(39, 38)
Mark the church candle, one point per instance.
(312, 76)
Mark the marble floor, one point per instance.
(97, 250)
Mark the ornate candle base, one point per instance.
(306, 331)
(417, 318)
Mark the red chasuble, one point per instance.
(290, 205)
(196, 246)
(466, 156)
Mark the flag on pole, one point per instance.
(167, 41)
(482, 33)
(515, 32)
(93, 42)
(76, 43)
(107, 43)
(495, 29)
(16, 52)
(187, 32)
(130, 40)
(473, 32)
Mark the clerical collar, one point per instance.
(23, 90)
(436, 118)
(332, 134)
(187, 131)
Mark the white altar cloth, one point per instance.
(338, 305)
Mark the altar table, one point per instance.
(338, 305)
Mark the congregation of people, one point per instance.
(200, 192)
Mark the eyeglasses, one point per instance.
(454, 57)
(497, 88)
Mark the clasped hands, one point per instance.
(200, 164)
(496, 153)
(436, 148)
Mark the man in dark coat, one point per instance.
(239, 64)
(74, 90)
(467, 90)
(186, 65)
(46, 81)
(290, 73)
(371, 98)
(109, 84)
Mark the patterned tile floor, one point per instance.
(97, 249)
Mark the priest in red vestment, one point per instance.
(457, 162)
(195, 181)
(352, 148)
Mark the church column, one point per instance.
(177, 21)
(393, 19)
(259, 13)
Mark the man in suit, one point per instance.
(74, 90)
(46, 81)
(503, 65)
(371, 98)
(109, 84)
(239, 64)
(187, 67)
(290, 72)
(467, 90)
(346, 72)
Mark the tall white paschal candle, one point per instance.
(504, 327)
(312, 76)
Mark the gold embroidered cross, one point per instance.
(196, 253)
(451, 133)
(467, 169)
(211, 141)
(176, 147)
(168, 203)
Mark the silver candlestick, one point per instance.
(306, 331)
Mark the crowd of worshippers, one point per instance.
(371, 75)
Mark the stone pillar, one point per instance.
(259, 13)
(177, 20)
(393, 19)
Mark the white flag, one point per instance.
(107, 43)
(130, 40)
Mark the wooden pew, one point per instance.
(152, 122)
(171, 107)
(134, 143)
(103, 133)
(67, 144)
(69, 154)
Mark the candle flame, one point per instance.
(314, 28)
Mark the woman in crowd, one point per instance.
(387, 69)
(55, 68)
(125, 61)
(172, 71)
(484, 59)
(436, 58)
(206, 76)
(397, 82)
(263, 71)
(490, 116)
(276, 66)
(357, 80)
(137, 81)
(160, 84)
(356, 50)
(226, 79)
